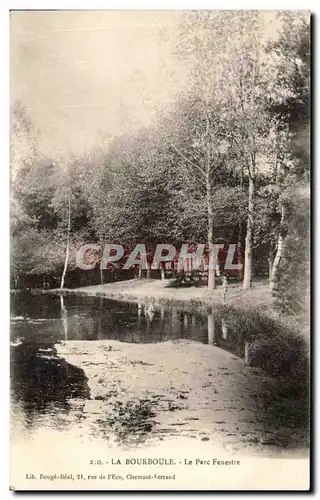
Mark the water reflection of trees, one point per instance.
(93, 318)
(41, 382)
(64, 318)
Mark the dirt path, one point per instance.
(152, 392)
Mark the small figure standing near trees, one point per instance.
(224, 288)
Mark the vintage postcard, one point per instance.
(159, 215)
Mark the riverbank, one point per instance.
(148, 393)
(190, 390)
(198, 299)
(163, 292)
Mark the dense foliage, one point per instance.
(228, 162)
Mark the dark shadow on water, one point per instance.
(43, 383)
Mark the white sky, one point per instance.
(86, 74)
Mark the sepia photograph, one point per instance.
(160, 250)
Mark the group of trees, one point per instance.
(228, 161)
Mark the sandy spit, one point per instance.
(148, 393)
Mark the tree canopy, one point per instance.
(228, 161)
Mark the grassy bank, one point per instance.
(163, 292)
(257, 300)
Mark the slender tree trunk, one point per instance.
(148, 271)
(173, 267)
(101, 270)
(239, 257)
(276, 182)
(270, 262)
(140, 272)
(247, 279)
(68, 245)
(274, 264)
(211, 269)
(163, 275)
(279, 251)
(239, 243)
